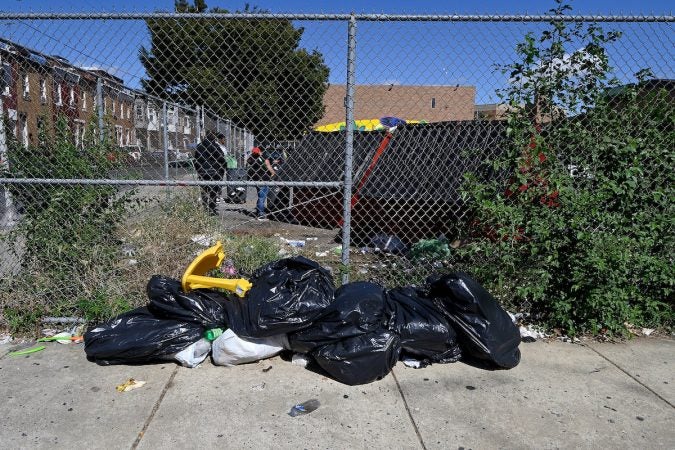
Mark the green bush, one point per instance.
(66, 231)
(577, 229)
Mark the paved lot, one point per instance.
(560, 396)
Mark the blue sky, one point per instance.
(387, 52)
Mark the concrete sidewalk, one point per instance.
(560, 396)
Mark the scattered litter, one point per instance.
(530, 334)
(5, 339)
(61, 338)
(228, 268)
(282, 252)
(132, 262)
(414, 363)
(304, 408)
(258, 387)
(337, 250)
(388, 243)
(363, 271)
(300, 359)
(321, 254)
(203, 240)
(63, 320)
(430, 249)
(28, 351)
(293, 242)
(128, 250)
(194, 354)
(267, 369)
(311, 238)
(130, 385)
(647, 331)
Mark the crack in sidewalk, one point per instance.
(631, 376)
(407, 409)
(141, 433)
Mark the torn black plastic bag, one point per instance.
(287, 295)
(484, 330)
(138, 337)
(358, 309)
(422, 327)
(360, 359)
(203, 307)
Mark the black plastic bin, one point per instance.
(235, 194)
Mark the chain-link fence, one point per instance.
(346, 138)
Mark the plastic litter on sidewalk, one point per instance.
(355, 334)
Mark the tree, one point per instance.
(250, 71)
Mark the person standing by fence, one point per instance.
(260, 169)
(210, 165)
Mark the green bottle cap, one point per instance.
(212, 334)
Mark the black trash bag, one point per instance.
(484, 330)
(138, 337)
(360, 359)
(423, 329)
(287, 295)
(358, 309)
(389, 244)
(203, 307)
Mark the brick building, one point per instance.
(418, 102)
(36, 89)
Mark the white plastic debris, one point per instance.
(647, 331)
(529, 334)
(410, 362)
(300, 359)
(195, 354)
(293, 242)
(230, 349)
(5, 339)
(321, 254)
(202, 240)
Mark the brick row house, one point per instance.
(36, 89)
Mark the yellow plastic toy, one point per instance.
(194, 276)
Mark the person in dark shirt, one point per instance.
(259, 168)
(210, 166)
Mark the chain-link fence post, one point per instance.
(349, 146)
(165, 143)
(99, 105)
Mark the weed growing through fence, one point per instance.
(577, 229)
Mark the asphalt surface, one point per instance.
(562, 395)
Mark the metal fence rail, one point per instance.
(367, 124)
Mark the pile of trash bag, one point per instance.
(355, 334)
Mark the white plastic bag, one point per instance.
(230, 350)
(193, 355)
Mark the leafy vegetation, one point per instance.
(577, 227)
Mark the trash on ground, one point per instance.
(258, 387)
(410, 362)
(267, 369)
(61, 338)
(63, 320)
(300, 359)
(647, 331)
(231, 350)
(203, 240)
(304, 407)
(5, 339)
(27, 351)
(430, 249)
(388, 244)
(529, 333)
(293, 242)
(130, 385)
(356, 333)
(321, 254)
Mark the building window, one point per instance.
(84, 100)
(139, 112)
(118, 135)
(71, 96)
(26, 87)
(186, 121)
(433, 102)
(121, 110)
(112, 101)
(152, 115)
(58, 99)
(43, 91)
(6, 78)
(129, 112)
(105, 107)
